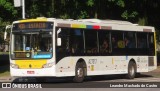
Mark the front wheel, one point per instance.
(131, 70)
(79, 72)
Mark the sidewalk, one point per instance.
(6, 79)
(154, 73)
(4, 74)
(156, 70)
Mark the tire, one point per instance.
(131, 70)
(79, 72)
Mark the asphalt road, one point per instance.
(98, 83)
(90, 82)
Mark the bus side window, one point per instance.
(129, 40)
(91, 41)
(64, 35)
(104, 42)
(141, 40)
(114, 43)
(104, 48)
(76, 41)
(117, 40)
(151, 44)
(117, 43)
(74, 46)
(140, 43)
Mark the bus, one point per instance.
(50, 47)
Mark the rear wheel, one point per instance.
(131, 70)
(79, 72)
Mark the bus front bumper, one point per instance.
(33, 72)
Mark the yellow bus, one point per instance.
(50, 47)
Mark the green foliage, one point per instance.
(138, 11)
(64, 16)
(83, 14)
(34, 11)
(142, 21)
(120, 3)
(90, 3)
(126, 15)
(7, 8)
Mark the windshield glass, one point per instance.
(32, 43)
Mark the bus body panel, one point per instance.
(100, 65)
(103, 65)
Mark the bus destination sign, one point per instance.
(33, 25)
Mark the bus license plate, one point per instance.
(30, 72)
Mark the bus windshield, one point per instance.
(31, 43)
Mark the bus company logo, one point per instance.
(6, 85)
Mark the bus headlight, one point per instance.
(48, 65)
(14, 65)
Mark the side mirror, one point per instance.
(5, 35)
(59, 42)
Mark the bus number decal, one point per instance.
(92, 61)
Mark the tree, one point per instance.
(7, 10)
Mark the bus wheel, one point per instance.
(79, 72)
(131, 70)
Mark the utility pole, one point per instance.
(19, 3)
(23, 9)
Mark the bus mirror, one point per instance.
(59, 42)
(5, 35)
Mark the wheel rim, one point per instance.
(132, 71)
(80, 72)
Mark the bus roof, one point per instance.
(105, 21)
(92, 23)
(79, 20)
